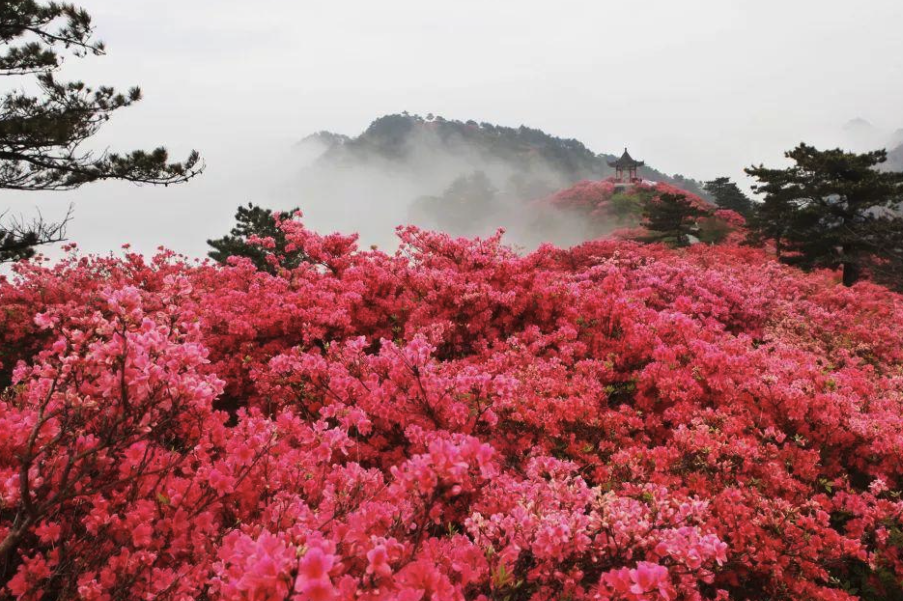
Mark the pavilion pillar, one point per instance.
(628, 164)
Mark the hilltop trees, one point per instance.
(822, 211)
(42, 135)
(539, 157)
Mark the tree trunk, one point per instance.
(851, 273)
(849, 261)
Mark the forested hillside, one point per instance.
(396, 138)
(466, 178)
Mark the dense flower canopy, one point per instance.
(592, 209)
(606, 198)
(453, 421)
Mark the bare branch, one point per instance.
(19, 237)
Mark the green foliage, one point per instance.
(671, 219)
(831, 209)
(856, 577)
(41, 136)
(18, 239)
(884, 237)
(254, 221)
(530, 152)
(727, 195)
(628, 207)
(15, 248)
(28, 18)
(712, 230)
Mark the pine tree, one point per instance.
(672, 219)
(18, 238)
(42, 135)
(712, 230)
(884, 238)
(254, 221)
(824, 210)
(727, 195)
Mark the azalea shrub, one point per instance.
(594, 208)
(452, 421)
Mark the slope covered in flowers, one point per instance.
(454, 421)
(599, 208)
(606, 198)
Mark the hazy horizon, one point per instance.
(703, 89)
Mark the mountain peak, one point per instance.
(858, 124)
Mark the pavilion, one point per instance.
(626, 163)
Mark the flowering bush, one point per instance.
(607, 199)
(453, 421)
(599, 208)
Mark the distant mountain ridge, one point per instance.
(461, 177)
(395, 138)
(860, 135)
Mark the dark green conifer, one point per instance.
(671, 219)
(727, 195)
(826, 209)
(42, 134)
(260, 222)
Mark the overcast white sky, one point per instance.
(699, 87)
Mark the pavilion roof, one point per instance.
(626, 161)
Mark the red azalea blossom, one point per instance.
(454, 421)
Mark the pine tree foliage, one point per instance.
(43, 131)
(672, 219)
(42, 135)
(727, 195)
(19, 237)
(256, 236)
(884, 238)
(831, 209)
